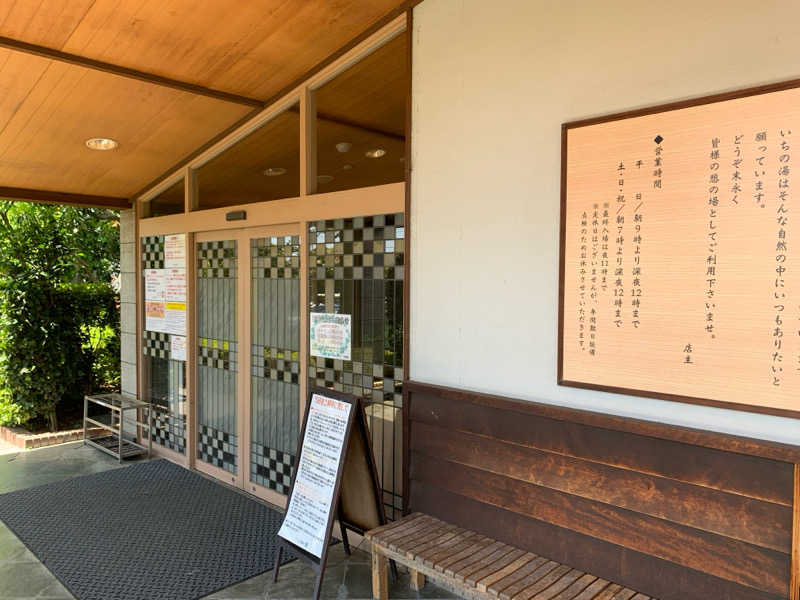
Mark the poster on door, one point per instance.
(330, 336)
(311, 502)
(165, 290)
(175, 251)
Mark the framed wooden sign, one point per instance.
(680, 251)
(335, 478)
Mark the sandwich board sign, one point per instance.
(335, 478)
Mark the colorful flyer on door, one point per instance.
(330, 336)
(311, 503)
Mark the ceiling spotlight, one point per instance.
(99, 143)
(343, 147)
(375, 153)
(324, 178)
(274, 171)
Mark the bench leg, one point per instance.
(417, 580)
(380, 579)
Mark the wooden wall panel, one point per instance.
(738, 517)
(746, 475)
(672, 519)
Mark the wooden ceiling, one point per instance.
(162, 77)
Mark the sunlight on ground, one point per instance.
(8, 448)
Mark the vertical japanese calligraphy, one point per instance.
(678, 266)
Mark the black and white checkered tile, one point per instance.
(217, 448)
(216, 260)
(153, 252)
(156, 344)
(169, 430)
(271, 468)
(218, 354)
(275, 257)
(276, 364)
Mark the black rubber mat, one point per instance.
(149, 531)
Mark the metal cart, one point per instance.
(114, 442)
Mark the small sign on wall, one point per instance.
(331, 335)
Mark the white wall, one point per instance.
(492, 83)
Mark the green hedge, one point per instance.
(57, 343)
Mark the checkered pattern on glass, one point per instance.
(156, 344)
(365, 254)
(169, 430)
(217, 259)
(275, 257)
(276, 363)
(218, 354)
(271, 468)
(153, 252)
(357, 248)
(217, 448)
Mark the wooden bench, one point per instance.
(475, 566)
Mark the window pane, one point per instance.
(168, 202)
(263, 166)
(363, 111)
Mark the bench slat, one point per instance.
(444, 535)
(531, 579)
(420, 536)
(433, 557)
(516, 565)
(378, 531)
(576, 588)
(406, 530)
(465, 562)
(488, 568)
(501, 584)
(591, 592)
(475, 544)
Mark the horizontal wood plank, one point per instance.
(686, 435)
(711, 553)
(739, 517)
(751, 476)
(653, 576)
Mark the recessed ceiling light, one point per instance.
(99, 143)
(344, 147)
(274, 171)
(324, 178)
(375, 153)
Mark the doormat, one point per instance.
(152, 530)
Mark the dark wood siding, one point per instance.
(636, 505)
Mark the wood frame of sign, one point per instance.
(356, 480)
(576, 374)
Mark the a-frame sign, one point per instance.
(335, 478)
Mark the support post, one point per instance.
(380, 579)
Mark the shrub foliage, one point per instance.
(59, 315)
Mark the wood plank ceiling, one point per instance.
(75, 69)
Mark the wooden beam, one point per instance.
(66, 198)
(97, 65)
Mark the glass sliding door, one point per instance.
(217, 354)
(275, 360)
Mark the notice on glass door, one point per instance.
(310, 505)
(330, 336)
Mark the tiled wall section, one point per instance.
(356, 268)
(127, 247)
